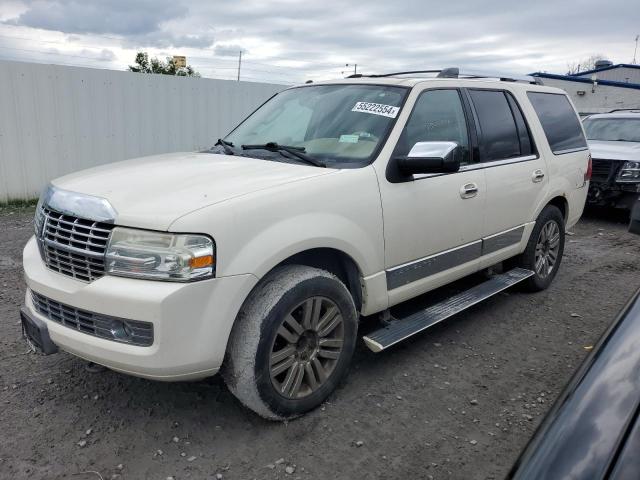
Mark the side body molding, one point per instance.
(425, 267)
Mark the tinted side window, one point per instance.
(437, 116)
(559, 121)
(499, 137)
(526, 143)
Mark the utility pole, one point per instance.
(239, 64)
(635, 50)
(355, 68)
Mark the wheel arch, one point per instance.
(562, 204)
(334, 261)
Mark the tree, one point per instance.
(585, 64)
(145, 65)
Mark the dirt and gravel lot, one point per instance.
(459, 401)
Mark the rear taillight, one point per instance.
(587, 174)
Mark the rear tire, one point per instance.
(292, 342)
(544, 250)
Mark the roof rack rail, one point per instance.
(410, 72)
(454, 72)
(625, 110)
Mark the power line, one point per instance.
(208, 61)
(121, 39)
(44, 62)
(67, 43)
(85, 65)
(41, 52)
(97, 59)
(211, 63)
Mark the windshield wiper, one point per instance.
(226, 146)
(297, 152)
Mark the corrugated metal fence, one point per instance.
(56, 119)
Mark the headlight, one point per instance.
(630, 172)
(160, 256)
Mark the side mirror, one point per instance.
(431, 157)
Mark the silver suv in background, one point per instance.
(614, 140)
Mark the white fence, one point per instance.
(56, 119)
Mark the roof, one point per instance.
(602, 69)
(572, 78)
(411, 79)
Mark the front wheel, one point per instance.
(544, 249)
(292, 342)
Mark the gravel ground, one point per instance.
(459, 401)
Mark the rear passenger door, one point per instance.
(516, 175)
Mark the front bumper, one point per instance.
(191, 321)
(606, 193)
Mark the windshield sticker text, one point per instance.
(376, 109)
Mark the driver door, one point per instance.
(433, 223)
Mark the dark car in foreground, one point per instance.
(593, 430)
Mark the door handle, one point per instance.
(537, 176)
(468, 190)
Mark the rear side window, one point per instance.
(559, 121)
(499, 137)
(526, 143)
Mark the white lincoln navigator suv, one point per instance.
(331, 201)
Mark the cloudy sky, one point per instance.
(290, 41)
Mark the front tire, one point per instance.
(292, 342)
(544, 249)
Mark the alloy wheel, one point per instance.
(547, 248)
(306, 348)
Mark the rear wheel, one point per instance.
(544, 249)
(292, 342)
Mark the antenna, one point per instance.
(635, 50)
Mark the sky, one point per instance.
(287, 41)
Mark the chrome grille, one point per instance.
(71, 245)
(133, 332)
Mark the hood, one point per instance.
(152, 192)
(614, 150)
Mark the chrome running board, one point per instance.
(402, 328)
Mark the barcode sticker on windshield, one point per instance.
(376, 109)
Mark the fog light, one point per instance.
(120, 330)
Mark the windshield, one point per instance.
(341, 125)
(613, 129)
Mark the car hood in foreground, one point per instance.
(152, 192)
(614, 150)
(593, 429)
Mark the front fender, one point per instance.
(292, 235)
(257, 231)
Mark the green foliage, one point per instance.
(144, 64)
(17, 206)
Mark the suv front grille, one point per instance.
(71, 245)
(603, 170)
(133, 332)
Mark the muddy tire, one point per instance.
(292, 342)
(544, 250)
